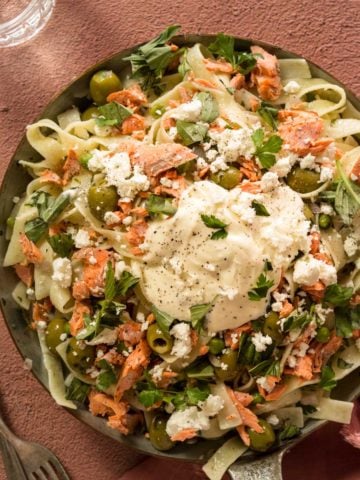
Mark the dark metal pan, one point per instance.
(250, 466)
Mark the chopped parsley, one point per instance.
(338, 295)
(112, 114)
(347, 197)
(156, 204)
(260, 209)
(106, 377)
(289, 431)
(198, 313)
(210, 108)
(269, 114)
(77, 391)
(262, 286)
(216, 224)
(163, 319)
(190, 132)
(265, 150)
(62, 244)
(327, 381)
(224, 47)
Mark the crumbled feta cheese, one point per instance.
(16, 199)
(322, 313)
(190, 417)
(261, 341)
(309, 270)
(144, 326)
(354, 177)
(283, 165)
(326, 209)
(224, 366)
(291, 361)
(211, 154)
(273, 419)
(30, 292)
(102, 131)
(62, 272)
(269, 181)
(166, 182)
(279, 299)
(189, 111)
(326, 174)
(292, 87)
(172, 132)
(308, 162)
(157, 373)
(350, 245)
(127, 220)
(41, 324)
(229, 292)
(218, 165)
(182, 343)
(212, 405)
(242, 206)
(95, 163)
(262, 381)
(301, 350)
(232, 144)
(140, 317)
(120, 266)
(82, 239)
(111, 218)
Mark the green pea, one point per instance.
(272, 328)
(216, 346)
(303, 181)
(229, 361)
(80, 356)
(309, 215)
(54, 331)
(260, 442)
(324, 221)
(257, 398)
(102, 199)
(323, 335)
(158, 342)
(157, 111)
(103, 83)
(157, 433)
(227, 179)
(90, 113)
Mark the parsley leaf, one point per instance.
(201, 371)
(219, 234)
(198, 313)
(40, 200)
(262, 286)
(265, 150)
(156, 204)
(163, 320)
(106, 377)
(110, 282)
(35, 229)
(289, 431)
(190, 132)
(196, 394)
(347, 320)
(209, 109)
(338, 295)
(266, 367)
(347, 197)
(90, 327)
(127, 281)
(260, 209)
(150, 61)
(224, 47)
(184, 66)
(269, 114)
(296, 321)
(77, 391)
(56, 207)
(327, 381)
(62, 244)
(213, 222)
(149, 397)
(112, 114)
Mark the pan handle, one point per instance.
(263, 468)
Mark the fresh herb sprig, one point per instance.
(263, 284)
(224, 47)
(216, 224)
(265, 150)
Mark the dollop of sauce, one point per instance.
(183, 266)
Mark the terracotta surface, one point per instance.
(79, 34)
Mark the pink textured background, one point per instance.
(81, 33)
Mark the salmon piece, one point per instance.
(243, 435)
(156, 159)
(185, 95)
(286, 309)
(120, 216)
(140, 212)
(306, 336)
(266, 74)
(250, 187)
(132, 97)
(71, 167)
(30, 250)
(204, 83)
(232, 336)
(278, 391)
(93, 275)
(150, 318)
(238, 81)
(204, 349)
(250, 170)
(25, 273)
(113, 357)
(249, 419)
(303, 368)
(77, 322)
(166, 379)
(136, 234)
(301, 131)
(126, 207)
(315, 242)
(316, 291)
(323, 352)
(169, 122)
(103, 405)
(48, 176)
(173, 192)
(133, 368)
(130, 333)
(355, 171)
(218, 66)
(137, 251)
(40, 311)
(244, 398)
(183, 435)
(203, 172)
(132, 124)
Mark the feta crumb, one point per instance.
(308, 162)
(262, 381)
(182, 343)
(224, 366)
(82, 239)
(127, 220)
(232, 144)
(350, 245)
(212, 405)
(292, 87)
(144, 326)
(157, 373)
(283, 165)
(229, 292)
(326, 209)
(166, 182)
(92, 260)
(218, 165)
(63, 337)
(309, 270)
(273, 419)
(322, 313)
(291, 361)
(189, 111)
(62, 272)
(140, 317)
(279, 299)
(120, 266)
(261, 341)
(111, 218)
(190, 417)
(269, 182)
(41, 324)
(301, 350)
(326, 174)
(30, 292)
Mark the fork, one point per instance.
(37, 462)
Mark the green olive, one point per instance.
(323, 335)
(90, 113)
(324, 221)
(157, 341)
(103, 83)
(54, 333)
(303, 181)
(216, 346)
(228, 361)
(309, 215)
(157, 433)
(260, 442)
(80, 356)
(272, 328)
(227, 179)
(102, 199)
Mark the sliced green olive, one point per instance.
(303, 181)
(90, 113)
(157, 433)
(323, 335)
(216, 346)
(272, 328)
(158, 342)
(324, 221)
(55, 333)
(229, 367)
(103, 83)
(80, 356)
(260, 442)
(102, 199)
(227, 179)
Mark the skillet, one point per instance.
(250, 466)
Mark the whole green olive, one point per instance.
(216, 346)
(229, 367)
(227, 179)
(55, 333)
(80, 356)
(303, 181)
(103, 83)
(157, 433)
(102, 199)
(90, 113)
(158, 342)
(272, 328)
(260, 442)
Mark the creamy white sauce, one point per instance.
(175, 273)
